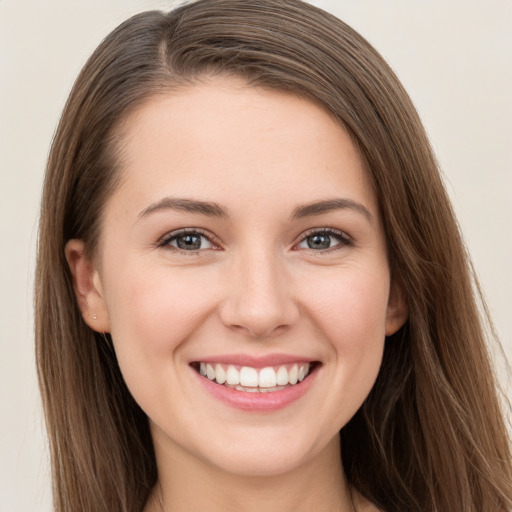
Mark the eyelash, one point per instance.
(343, 239)
(167, 239)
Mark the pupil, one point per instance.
(319, 241)
(189, 242)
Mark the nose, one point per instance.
(259, 299)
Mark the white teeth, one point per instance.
(303, 371)
(220, 374)
(269, 390)
(267, 378)
(258, 390)
(210, 372)
(293, 374)
(249, 390)
(281, 376)
(248, 377)
(232, 376)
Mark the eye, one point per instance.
(323, 240)
(189, 240)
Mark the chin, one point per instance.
(271, 456)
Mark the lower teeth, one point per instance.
(255, 390)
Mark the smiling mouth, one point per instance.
(255, 380)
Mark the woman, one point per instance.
(251, 289)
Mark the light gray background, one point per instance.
(453, 56)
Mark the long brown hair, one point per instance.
(430, 436)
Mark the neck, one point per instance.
(188, 483)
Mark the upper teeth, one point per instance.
(247, 376)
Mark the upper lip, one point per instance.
(254, 361)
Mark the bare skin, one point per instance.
(286, 258)
(316, 487)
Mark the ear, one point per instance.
(398, 310)
(88, 287)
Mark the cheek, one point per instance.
(351, 305)
(350, 310)
(152, 313)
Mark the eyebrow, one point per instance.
(211, 209)
(328, 205)
(187, 205)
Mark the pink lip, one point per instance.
(255, 361)
(257, 402)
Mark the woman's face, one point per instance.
(243, 242)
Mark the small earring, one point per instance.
(94, 317)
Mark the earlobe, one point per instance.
(88, 287)
(398, 310)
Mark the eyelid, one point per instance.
(344, 239)
(172, 235)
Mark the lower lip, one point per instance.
(257, 402)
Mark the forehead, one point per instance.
(226, 138)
